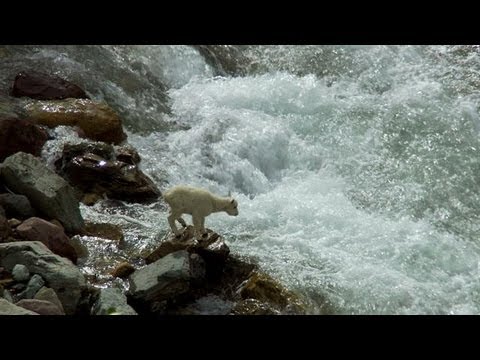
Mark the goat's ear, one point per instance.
(233, 200)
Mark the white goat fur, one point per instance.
(197, 202)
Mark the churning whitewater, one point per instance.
(356, 168)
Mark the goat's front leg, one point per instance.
(197, 225)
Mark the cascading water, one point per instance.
(356, 168)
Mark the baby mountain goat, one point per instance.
(197, 202)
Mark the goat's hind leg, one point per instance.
(182, 222)
(171, 222)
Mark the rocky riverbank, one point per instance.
(42, 229)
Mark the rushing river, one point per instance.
(356, 168)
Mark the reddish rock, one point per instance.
(48, 294)
(41, 307)
(20, 135)
(36, 229)
(42, 86)
(98, 120)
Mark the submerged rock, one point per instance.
(47, 191)
(59, 273)
(97, 120)
(123, 270)
(41, 86)
(262, 287)
(105, 231)
(20, 135)
(253, 307)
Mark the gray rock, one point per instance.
(7, 296)
(59, 273)
(112, 301)
(48, 192)
(16, 205)
(35, 284)
(7, 308)
(20, 273)
(49, 294)
(165, 278)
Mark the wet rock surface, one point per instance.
(96, 170)
(236, 286)
(166, 278)
(42, 86)
(98, 121)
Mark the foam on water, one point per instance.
(358, 192)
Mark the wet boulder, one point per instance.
(92, 173)
(97, 120)
(48, 192)
(41, 86)
(127, 154)
(36, 229)
(20, 135)
(265, 289)
(59, 273)
(165, 279)
(211, 248)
